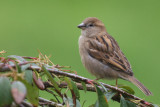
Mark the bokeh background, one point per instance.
(51, 27)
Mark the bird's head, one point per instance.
(92, 27)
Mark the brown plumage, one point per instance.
(101, 55)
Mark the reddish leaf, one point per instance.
(38, 82)
(18, 91)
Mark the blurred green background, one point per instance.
(51, 27)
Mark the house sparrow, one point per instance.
(101, 55)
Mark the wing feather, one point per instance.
(106, 50)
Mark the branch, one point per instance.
(4, 68)
(43, 101)
(26, 104)
(79, 86)
(91, 88)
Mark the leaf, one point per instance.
(127, 89)
(93, 105)
(18, 91)
(68, 82)
(75, 89)
(131, 104)
(97, 104)
(38, 82)
(24, 67)
(126, 103)
(84, 86)
(69, 102)
(18, 68)
(54, 83)
(5, 92)
(102, 100)
(105, 89)
(17, 58)
(32, 93)
(28, 76)
(123, 102)
(110, 94)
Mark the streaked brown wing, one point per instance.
(106, 50)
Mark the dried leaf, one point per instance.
(38, 82)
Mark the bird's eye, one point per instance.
(90, 25)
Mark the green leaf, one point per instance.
(123, 102)
(32, 93)
(75, 89)
(69, 102)
(5, 92)
(24, 67)
(110, 94)
(18, 91)
(54, 83)
(93, 105)
(126, 103)
(84, 86)
(68, 80)
(17, 58)
(97, 104)
(18, 68)
(105, 89)
(102, 100)
(28, 76)
(127, 89)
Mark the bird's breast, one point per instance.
(94, 66)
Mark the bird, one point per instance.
(101, 55)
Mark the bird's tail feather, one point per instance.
(140, 86)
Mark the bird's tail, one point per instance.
(140, 86)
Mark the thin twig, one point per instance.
(45, 102)
(52, 94)
(26, 104)
(79, 86)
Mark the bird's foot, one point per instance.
(90, 82)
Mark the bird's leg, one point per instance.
(116, 82)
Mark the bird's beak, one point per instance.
(81, 25)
